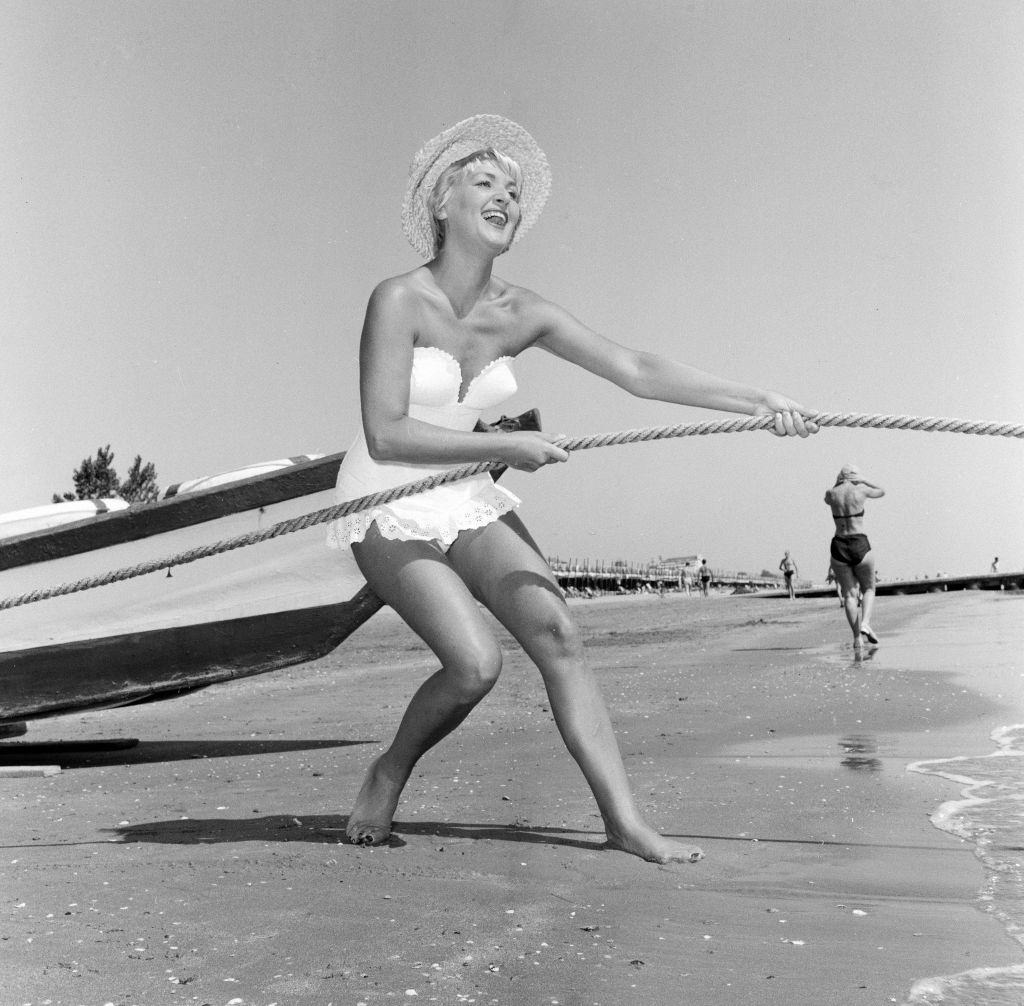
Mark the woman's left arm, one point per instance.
(648, 375)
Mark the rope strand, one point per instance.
(643, 435)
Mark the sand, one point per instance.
(206, 865)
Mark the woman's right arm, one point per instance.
(385, 365)
(868, 489)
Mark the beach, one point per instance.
(207, 864)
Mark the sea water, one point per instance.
(989, 814)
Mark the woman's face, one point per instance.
(483, 206)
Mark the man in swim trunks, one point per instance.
(852, 561)
(788, 567)
(704, 572)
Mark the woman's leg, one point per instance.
(865, 573)
(416, 579)
(502, 566)
(850, 588)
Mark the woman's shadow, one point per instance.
(329, 829)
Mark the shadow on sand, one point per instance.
(82, 754)
(330, 829)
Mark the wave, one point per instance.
(990, 814)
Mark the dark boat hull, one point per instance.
(133, 667)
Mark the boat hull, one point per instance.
(242, 612)
(136, 666)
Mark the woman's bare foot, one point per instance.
(370, 820)
(645, 842)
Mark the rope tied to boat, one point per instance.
(642, 435)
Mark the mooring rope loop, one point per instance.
(825, 419)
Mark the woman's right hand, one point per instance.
(527, 451)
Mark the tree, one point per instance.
(140, 485)
(96, 478)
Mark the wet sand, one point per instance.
(206, 865)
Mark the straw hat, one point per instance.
(461, 140)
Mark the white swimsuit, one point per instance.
(438, 514)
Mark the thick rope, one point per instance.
(851, 419)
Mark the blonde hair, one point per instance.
(457, 169)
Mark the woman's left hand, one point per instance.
(789, 416)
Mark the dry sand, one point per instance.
(205, 865)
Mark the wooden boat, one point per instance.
(247, 611)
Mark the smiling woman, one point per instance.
(490, 172)
(437, 349)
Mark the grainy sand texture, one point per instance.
(207, 864)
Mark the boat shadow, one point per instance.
(92, 753)
(329, 829)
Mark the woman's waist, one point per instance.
(359, 474)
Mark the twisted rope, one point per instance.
(643, 435)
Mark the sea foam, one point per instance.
(990, 814)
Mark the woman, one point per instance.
(852, 560)
(438, 345)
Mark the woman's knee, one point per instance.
(474, 672)
(558, 635)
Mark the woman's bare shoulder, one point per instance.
(404, 285)
(536, 311)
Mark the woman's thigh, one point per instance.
(418, 581)
(864, 571)
(845, 577)
(504, 569)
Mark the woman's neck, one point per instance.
(461, 277)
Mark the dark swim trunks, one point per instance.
(850, 549)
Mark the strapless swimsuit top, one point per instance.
(436, 396)
(435, 388)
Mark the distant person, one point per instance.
(788, 567)
(852, 561)
(704, 574)
(995, 564)
(830, 579)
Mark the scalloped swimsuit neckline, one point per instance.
(461, 396)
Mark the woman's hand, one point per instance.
(527, 451)
(789, 416)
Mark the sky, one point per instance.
(823, 198)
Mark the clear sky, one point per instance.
(825, 198)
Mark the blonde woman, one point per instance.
(852, 559)
(438, 347)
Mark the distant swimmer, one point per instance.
(788, 567)
(995, 564)
(704, 572)
(852, 559)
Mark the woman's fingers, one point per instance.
(792, 424)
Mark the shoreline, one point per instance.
(205, 864)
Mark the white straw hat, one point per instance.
(461, 140)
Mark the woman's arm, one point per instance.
(647, 375)
(385, 364)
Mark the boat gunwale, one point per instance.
(184, 510)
